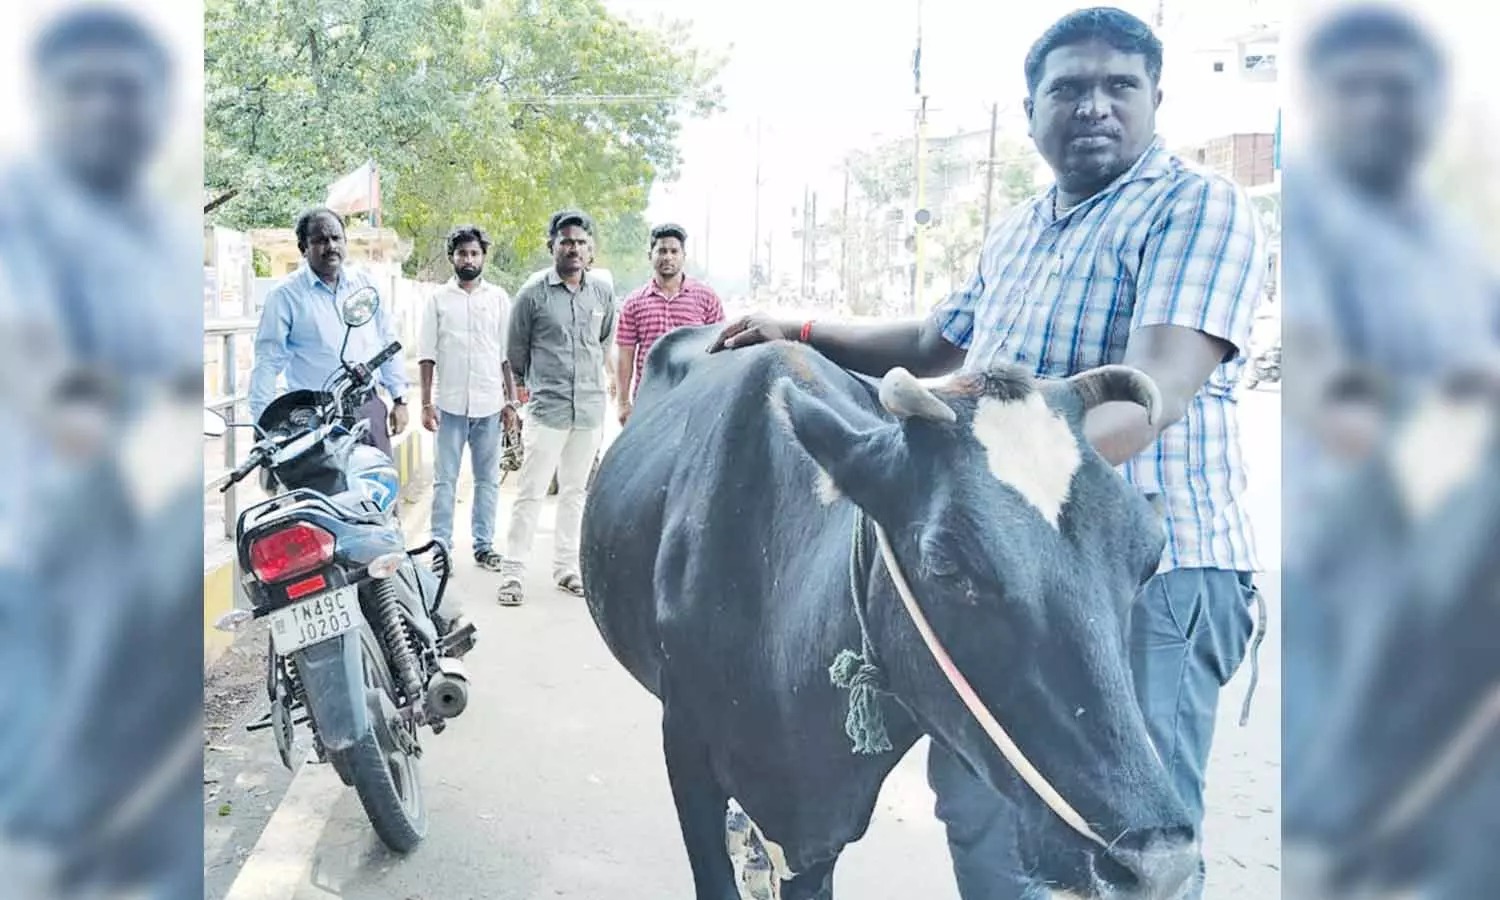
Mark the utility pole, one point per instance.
(812, 246)
(755, 242)
(922, 217)
(989, 170)
(844, 240)
(806, 236)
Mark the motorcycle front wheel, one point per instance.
(386, 777)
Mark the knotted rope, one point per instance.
(859, 673)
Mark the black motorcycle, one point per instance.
(360, 651)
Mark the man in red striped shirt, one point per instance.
(669, 300)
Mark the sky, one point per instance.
(823, 77)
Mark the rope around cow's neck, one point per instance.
(865, 724)
(859, 673)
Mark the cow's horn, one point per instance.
(906, 398)
(1108, 384)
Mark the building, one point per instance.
(1220, 83)
(1223, 111)
(1247, 159)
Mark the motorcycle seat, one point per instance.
(356, 502)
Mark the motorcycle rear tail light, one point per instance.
(290, 551)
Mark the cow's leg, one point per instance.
(701, 804)
(814, 884)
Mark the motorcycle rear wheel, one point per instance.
(386, 778)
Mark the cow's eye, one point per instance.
(939, 565)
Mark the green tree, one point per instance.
(957, 239)
(298, 92)
(472, 110)
(1015, 177)
(623, 250)
(887, 174)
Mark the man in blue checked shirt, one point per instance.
(302, 329)
(1131, 257)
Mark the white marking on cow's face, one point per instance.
(777, 402)
(759, 863)
(1440, 450)
(1031, 449)
(828, 492)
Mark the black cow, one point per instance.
(729, 539)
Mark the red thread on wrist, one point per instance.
(806, 336)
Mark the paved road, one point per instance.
(552, 784)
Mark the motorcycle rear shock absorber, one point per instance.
(397, 641)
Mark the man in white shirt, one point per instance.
(463, 340)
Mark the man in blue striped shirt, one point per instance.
(1131, 257)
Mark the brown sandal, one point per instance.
(572, 584)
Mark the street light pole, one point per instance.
(919, 242)
(844, 241)
(921, 226)
(989, 169)
(755, 241)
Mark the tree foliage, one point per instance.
(470, 109)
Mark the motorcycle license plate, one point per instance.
(315, 620)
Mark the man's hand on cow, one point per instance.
(430, 417)
(399, 418)
(751, 330)
(508, 416)
(625, 409)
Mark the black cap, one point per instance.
(563, 218)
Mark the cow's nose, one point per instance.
(1165, 862)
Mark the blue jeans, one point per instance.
(1190, 629)
(483, 439)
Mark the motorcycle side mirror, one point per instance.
(214, 425)
(359, 307)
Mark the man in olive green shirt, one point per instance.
(561, 324)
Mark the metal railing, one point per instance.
(227, 402)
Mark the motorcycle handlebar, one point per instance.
(383, 356)
(362, 375)
(248, 466)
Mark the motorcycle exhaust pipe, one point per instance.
(448, 692)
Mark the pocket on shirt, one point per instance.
(1094, 313)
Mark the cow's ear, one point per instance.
(845, 453)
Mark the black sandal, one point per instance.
(511, 593)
